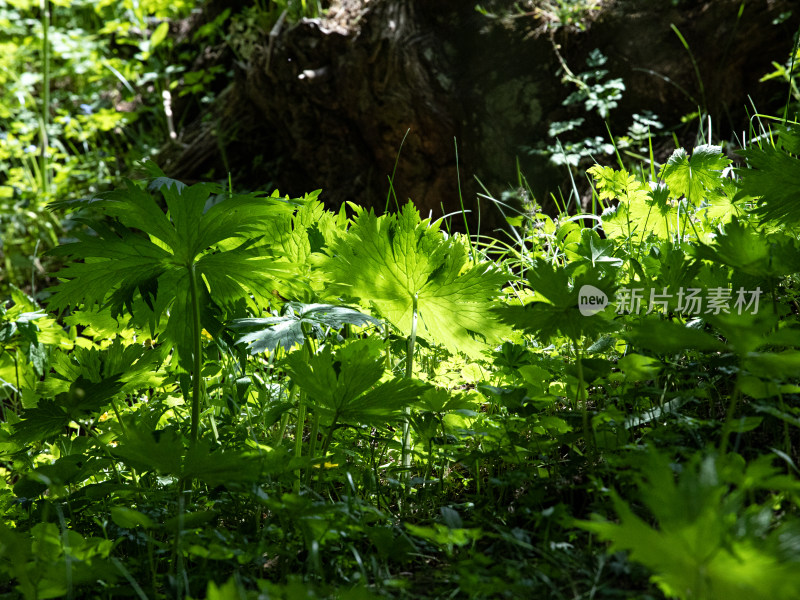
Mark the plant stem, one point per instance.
(309, 350)
(312, 443)
(443, 466)
(329, 437)
(197, 353)
(472, 255)
(281, 429)
(734, 401)
(582, 398)
(412, 340)
(298, 437)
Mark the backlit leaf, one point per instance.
(390, 260)
(773, 176)
(344, 385)
(218, 243)
(694, 176)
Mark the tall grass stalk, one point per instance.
(44, 115)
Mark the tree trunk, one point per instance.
(326, 103)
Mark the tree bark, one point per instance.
(326, 103)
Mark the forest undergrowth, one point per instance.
(244, 395)
(248, 395)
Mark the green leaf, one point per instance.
(61, 472)
(722, 207)
(593, 369)
(560, 313)
(50, 417)
(442, 535)
(159, 34)
(308, 231)
(39, 423)
(163, 451)
(746, 332)
(287, 330)
(15, 547)
(344, 386)
(230, 590)
(117, 262)
(773, 365)
(133, 364)
(642, 210)
(221, 467)
(668, 337)
(390, 260)
(700, 548)
(742, 424)
(616, 184)
(439, 400)
(773, 176)
(696, 176)
(190, 520)
(639, 368)
(159, 450)
(744, 248)
(220, 243)
(674, 269)
(129, 518)
(597, 251)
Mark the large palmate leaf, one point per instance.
(668, 337)
(691, 187)
(597, 252)
(722, 207)
(395, 261)
(702, 547)
(287, 330)
(143, 252)
(163, 451)
(134, 365)
(297, 236)
(670, 266)
(50, 417)
(643, 210)
(560, 311)
(344, 386)
(695, 177)
(749, 251)
(773, 176)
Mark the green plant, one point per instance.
(710, 541)
(788, 72)
(267, 16)
(596, 93)
(417, 279)
(344, 386)
(185, 264)
(556, 13)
